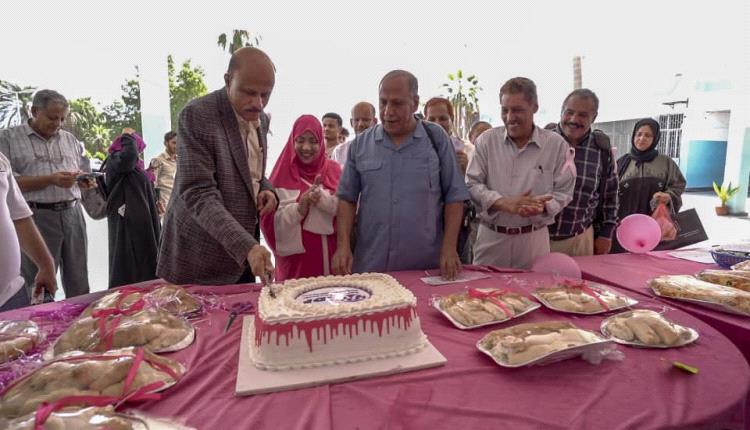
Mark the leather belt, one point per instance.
(511, 230)
(56, 206)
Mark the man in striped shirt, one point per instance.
(586, 225)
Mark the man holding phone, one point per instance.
(48, 164)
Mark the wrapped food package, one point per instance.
(739, 279)
(154, 329)
(745, 265)
(111, 376)
(480, 307)
(91, 418)
(529, 343)
(168, 297)
(689, 288)
(582, 297)
(647, 328)
(17, 338)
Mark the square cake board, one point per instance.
(251, 380)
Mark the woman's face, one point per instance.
(644, 137)
(307, 147)
(438, 113)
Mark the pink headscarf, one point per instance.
(289, 171)
(116, 146)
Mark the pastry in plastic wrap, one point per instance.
(528, 343)
(113, 375)
(729, 278)
(647, 328)
(478, 307)
(582, 297)
(154, 329)
(17, 338)
(685, 287)
(91, 418)
(168, 297)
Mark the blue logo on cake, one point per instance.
(334, 295)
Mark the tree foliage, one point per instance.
(89, 126)
(15, 103)
(463, 94)
(126, 112)
(184, 86)
(239, 39)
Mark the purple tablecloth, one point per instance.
(470, 391)
(632, 272)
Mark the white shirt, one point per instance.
(12, 208)
(340, 153)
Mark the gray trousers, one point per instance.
(504, 250)
(64, 232)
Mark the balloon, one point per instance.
(639, 233)
(557, 263)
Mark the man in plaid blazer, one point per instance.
(209, 234)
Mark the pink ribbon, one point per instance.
(106, 334)
(492, 297)
(144, 393)
(570, 164)
(587, 290)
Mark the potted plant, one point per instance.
(725, 192)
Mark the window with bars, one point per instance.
(671, 134)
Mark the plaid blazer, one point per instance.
(210, 222)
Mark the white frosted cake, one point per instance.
(334, 319)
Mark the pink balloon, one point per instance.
(638, 233)
(558, 264)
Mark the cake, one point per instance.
(327, 320)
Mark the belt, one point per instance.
(56, 206)
(511, 230)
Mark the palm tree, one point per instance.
(240, 38)
(15, 103)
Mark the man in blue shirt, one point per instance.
(403, 175)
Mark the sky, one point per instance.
(331, 55)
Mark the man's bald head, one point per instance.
(249, 80)
(363, 117)
(249, 55)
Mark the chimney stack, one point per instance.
(577, 75)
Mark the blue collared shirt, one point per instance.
(401, 192)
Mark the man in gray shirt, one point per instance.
(519, 178)
(411, 193)
(47, 163)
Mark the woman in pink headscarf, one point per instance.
(301, 231)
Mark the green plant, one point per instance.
(725, 192)
(15, 103)
(239, 38)
(463, 95)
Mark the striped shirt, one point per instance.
(32, 155)
(588, 207)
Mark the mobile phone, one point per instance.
(91, 175)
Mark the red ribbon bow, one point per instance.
(492, 297)
(586, 290)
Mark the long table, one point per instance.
(633, 271)
(642, 391)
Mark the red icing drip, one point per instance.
(350, 324)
